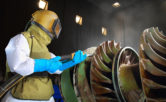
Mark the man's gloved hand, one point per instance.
(78, 58)
(50, 65)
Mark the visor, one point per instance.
(56, 28)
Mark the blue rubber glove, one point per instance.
(78, 58)
(50, 65)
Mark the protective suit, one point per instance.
(27, 54)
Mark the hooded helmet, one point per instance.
(48, 21)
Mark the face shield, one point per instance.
(56, 28)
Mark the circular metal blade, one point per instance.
(126, 79)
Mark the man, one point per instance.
(28, 55)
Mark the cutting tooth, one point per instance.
(157, 38)
(104, 55)
(100, 90)
(149, 67)
(160, 33)
(113, 47)
(96, 61)
(102, 65)
(155, 45)
(152, 84)
(99, 76)
(118, 45)
(105, 99)
(108, 50)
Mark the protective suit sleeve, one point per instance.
(78, 58)
(52, 55)
(17, 53)
(50, 65)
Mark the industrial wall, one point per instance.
(123, 24)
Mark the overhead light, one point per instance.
(116, 4)
(104, 31)
(43, 4)
(78, 19)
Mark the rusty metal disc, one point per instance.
(101, 72)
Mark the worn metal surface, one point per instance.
(159, 33)
(152, 64)
(126, 76)
(67, 88)
(156, 36)
(101, 72)
(81, 82)
(155, 45)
